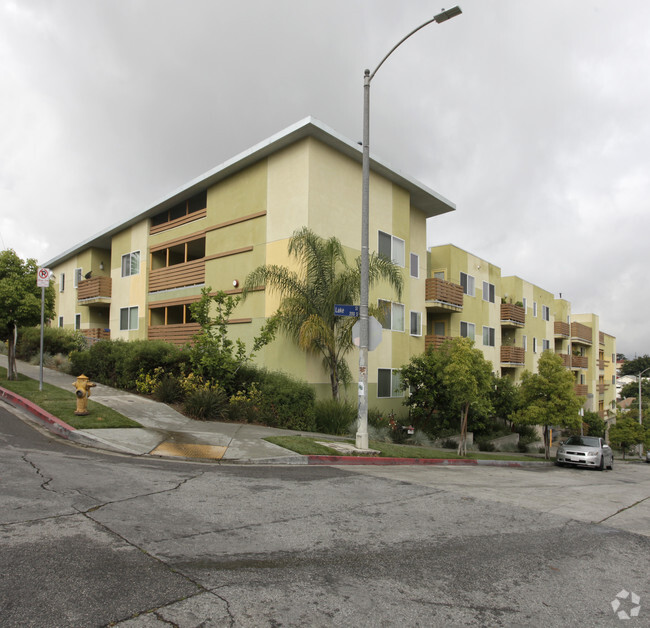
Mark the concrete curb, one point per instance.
(451, 462)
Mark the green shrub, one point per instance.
(485, 445)
(245, 405)
(168, 389)
(522, 447)
(334, 417)
(286, 402)
(420, 439)
(527, 434)
(205, 405)
(102, 362)
(55, 340)
(449, 443)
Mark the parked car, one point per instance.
(647, 456)
(585, 451)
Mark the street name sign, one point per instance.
(346, 310)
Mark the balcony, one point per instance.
(435, 342)
(177, 276)
(513, 356)
(562, 330)
(180, 334)
(512, 315)
(574, 361)
(581, 334)
(601, 364)
(95, 291)
(96, 333)
(443, 296)
(581, 390)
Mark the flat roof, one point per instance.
(422, 197)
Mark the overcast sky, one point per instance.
(532, 116)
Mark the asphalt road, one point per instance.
(93, 539)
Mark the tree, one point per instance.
(449, 380)
(213, 355)
(548, 397)
(634, 367)
(506, 397)
(595, 426)
(20, 301)
(632, 390)
(308, 297)
(626, 433)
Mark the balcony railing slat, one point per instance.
(443, 291)
(177, 276)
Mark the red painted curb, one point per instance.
(58, 426)
(371, 460)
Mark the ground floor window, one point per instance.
(128, 318)
(388, 383)
(77, 321)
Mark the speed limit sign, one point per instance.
(43, 277)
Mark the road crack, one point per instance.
(620, 510)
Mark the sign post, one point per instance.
(42, 281)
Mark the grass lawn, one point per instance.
(307, 446)
(62, 404)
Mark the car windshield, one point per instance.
(585, 441)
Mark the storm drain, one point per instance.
(189, 450)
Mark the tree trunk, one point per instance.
(547, 446)
(334, 381)
(12, 371)
(462, 447)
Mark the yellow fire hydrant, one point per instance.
(83, 386)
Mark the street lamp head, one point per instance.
(447, 15)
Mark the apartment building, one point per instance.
(514, 321)
(137, 279)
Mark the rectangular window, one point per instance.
(525, 304)
(415, 265)
(546, 313)
(534, 345)
(488, 336)
(467, 330)
(614, 381)
(534, 308)
(488, 292)
(77, 276)
(61, 282)
(525, 340)
(392, 315)
(416, 323)
(128, 318)
(77, 321)
(467, 282)
(546, 345)
(389, 383)
(391, 247)
(60, 321)
(131, 264)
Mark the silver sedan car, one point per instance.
(585, 451)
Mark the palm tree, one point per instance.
(308, 297)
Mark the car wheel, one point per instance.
(601, 466)
(611, 464)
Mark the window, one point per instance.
(415, 265)
(546, 345)
(388, 383)
(534, 345)
(488, 292)
(393, 315)
(467, 282)
(467, 330)
(614, 380)
(77, 321)
(416, 323)
(61, 282)
(128, 318)
(546, 313)
(439, 274)
(77, 276)
(196, 203)
(524, 303)
(60, 321)
(534, 308)
(488, 336)
(131, 264)
(391, 247)
(525, 340)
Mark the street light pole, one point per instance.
(362, 430)
(640, 408)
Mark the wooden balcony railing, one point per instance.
(513, 355)
(575, 361)
(177, 334)
(444, 292)
(581, 333)
(581, 390)
(513, 315)
(601, 364)
(562, 329)
(177, 276)
(94, 288)
(96, 333)
(435, 341)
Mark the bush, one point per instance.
(286, 402)
(527, 434)
(205, 405)
(168, 389)
(333, 417)
(245, 405)
(522, 447)
(485, 445)
(449, 443)
(55, 340)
